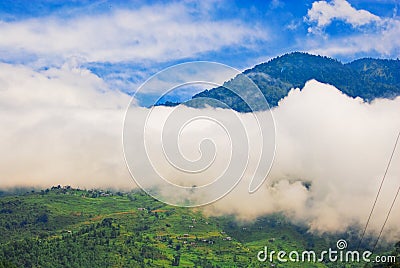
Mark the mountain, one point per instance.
(366, 78)
(66, 227)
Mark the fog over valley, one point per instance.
(331, 149)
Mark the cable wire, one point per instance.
(379, 190)
(387, 217)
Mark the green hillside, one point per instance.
(365, 78)
(65, 227)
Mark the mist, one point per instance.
(60, 126)
(64, 126)
(340, 146)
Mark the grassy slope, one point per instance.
(75, 228)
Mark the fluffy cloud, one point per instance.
(60, 126)
(379, 37)
(158, 33)
(323, 13)
(382, 41)
(339, 145)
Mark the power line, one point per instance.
(379, 191)
(387, 217)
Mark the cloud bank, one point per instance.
(158, 32)
(64, 126)
(60, 126)
(339, 145)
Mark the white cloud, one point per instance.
(158, 32)
(379, 37)
(339, 144)
(383, 41)
(323, 13)
(60, 126)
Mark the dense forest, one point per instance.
(66, 227)
(366, 78)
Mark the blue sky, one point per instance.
(125, 42)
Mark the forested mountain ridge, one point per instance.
(366, 78)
